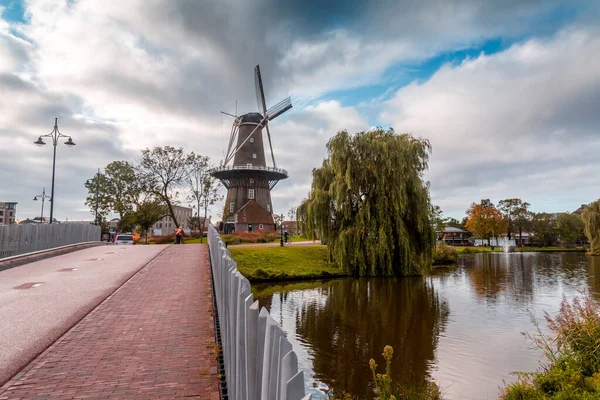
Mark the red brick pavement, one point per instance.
(152, 338)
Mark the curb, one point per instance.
(15, 261)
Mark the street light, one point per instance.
(55, 135)
(43, 196)
(281, 238)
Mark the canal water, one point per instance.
(460, 327)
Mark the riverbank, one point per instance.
(267, 264)
(500, 249)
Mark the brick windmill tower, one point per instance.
(245, 173)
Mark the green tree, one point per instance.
(99, 198)
(544, 228)
(120, 192)
(163, 170)
(369, 203)
(437, 218)
(453, 222)
(569, 228)
(147, 214)
(591, 219)
(194, 223)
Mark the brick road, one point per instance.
(152, 338)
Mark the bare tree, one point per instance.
(164, 169)
(203, 187)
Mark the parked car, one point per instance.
(124, 239)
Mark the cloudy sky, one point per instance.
(508, 92)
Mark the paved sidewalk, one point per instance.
(154, 337)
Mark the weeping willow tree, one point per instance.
(369, 203)
(591, 219)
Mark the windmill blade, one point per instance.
(237, 147)
(270, 145)
(279, 108)
(232, 138)
(231, 115)
(260, 93)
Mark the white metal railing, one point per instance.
(22, 239)
(260, 363)
(248, 167)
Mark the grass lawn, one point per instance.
(283, 263)
(193, 241)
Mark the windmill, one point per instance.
(244, 171)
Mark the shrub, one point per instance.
(445, 254)
(572, 348)
(163, 239)
(250, 237)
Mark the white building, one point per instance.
(166, 225)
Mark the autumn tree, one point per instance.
(369, 203)
(164, 170)
(570, 228)
(485, 221)
(591, 219)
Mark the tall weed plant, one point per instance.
(572, 350)
(386, 389)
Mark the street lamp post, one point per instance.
(281, 230)
(55, 135)
(43, 196)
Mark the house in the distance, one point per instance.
(454, 236)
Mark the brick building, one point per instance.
(8, 213)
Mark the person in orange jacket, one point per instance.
(178, 235)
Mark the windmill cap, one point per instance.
(251, 117)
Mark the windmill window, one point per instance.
(231, 206)
(268, 207)
(251, 194)
(260, 226)
(253, 155)
(251, 140)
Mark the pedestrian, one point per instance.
(179, 235)
(286, 236)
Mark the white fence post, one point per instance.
(260, 363)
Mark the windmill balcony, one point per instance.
(236, 175)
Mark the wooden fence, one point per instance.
(260, 363)
(21, 239)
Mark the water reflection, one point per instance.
(347, 322)
(460, 326)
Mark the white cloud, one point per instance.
(518, 123)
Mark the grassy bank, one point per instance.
(571, 348)
(284, 263)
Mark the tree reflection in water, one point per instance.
(355, 318)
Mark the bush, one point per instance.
(163, 239)
(250, 237)
(445, 254)
(572, 349)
